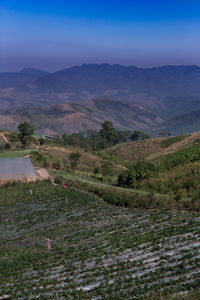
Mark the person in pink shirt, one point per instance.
(49, 244)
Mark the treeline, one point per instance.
(107, 136)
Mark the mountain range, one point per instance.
(165, 98)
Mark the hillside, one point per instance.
(170, 92)
(151, 149)
(76, 117)
(184, 123)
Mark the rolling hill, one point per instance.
(77, 117)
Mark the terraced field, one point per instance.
(98, 251)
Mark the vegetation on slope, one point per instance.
(172, 140)
(163, 175)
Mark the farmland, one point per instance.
(98, 251)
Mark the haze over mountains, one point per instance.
(152, 99)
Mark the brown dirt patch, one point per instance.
(42, 174)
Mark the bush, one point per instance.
(96, 170)
(137, 172)
(106, 168)
(14, 137)
(38, 156)
(6, 146)
(127, 178)
(59, 179)
(41, 141)
(74, 159)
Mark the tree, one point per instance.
(108, 132)
(123, 136)
(26, 130)
(139, 135)
(138, 172)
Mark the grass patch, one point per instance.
(14, 154)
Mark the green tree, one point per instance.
(108, 132)
(138, 172)
(139, 135)
(26, 130)
(123, 136)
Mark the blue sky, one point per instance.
(52, 35)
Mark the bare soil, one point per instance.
(42, 174)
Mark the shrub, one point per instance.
(127, 178)
(14, 137)
(137, 172)
(42, 141)
(74, 159)
(59, 179)
(96, 170)
(6, 146)
(37, 156)
(106, 168)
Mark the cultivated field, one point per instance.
(98, 251)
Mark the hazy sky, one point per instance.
(54, 34)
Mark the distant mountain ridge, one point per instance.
(81, 83)
(17, 79)
(167, 91)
